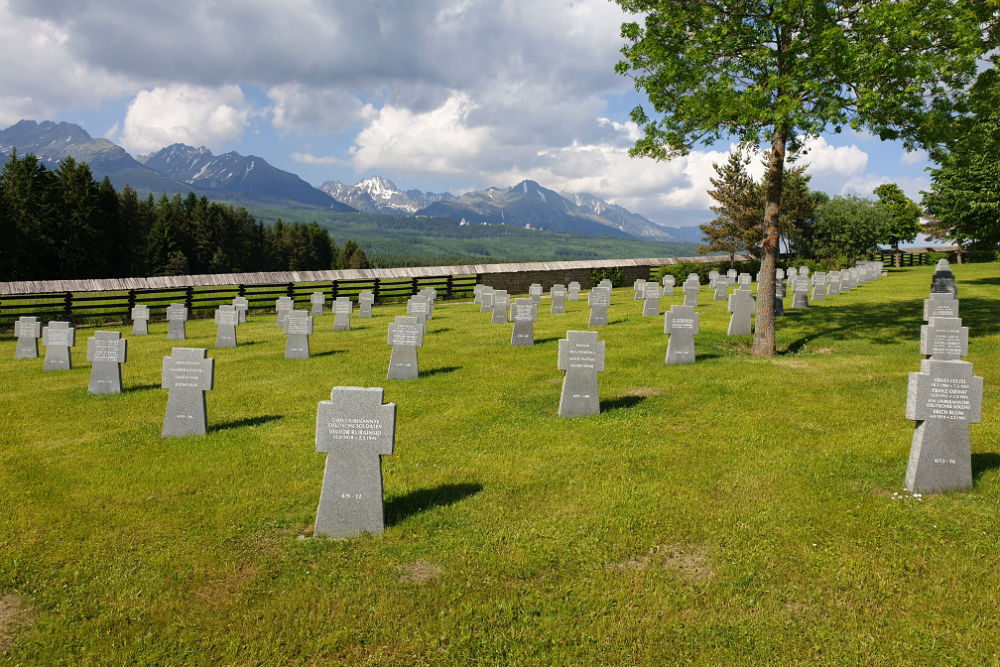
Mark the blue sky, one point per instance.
(436, 95)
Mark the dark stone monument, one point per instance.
(188, 374)
(366, 298)
(106, 352)
(581, 355)
(140, 320)
(650, 300)
(941, 304)
(58, 338)
(283, 305)
(681, 324)
(741, 305)
(523, 312)
(599, 299)
(342, 309)
(226, 319)
(317, 300)
(405, 336)
(558, 293)
(298, 327)
(943, 398)
(177, 315)
(27, 330)
(355, 430)
(691, 289)
(943, 279)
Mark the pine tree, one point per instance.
(737, 211)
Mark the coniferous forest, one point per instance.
(60, 223)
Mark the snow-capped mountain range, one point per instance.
(250, 179)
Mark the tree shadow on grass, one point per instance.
(437, 371)
(441, 330)
(140, 387)
(621, 403)
(241, 423)
(984, 463)
(879, 323)
(981, 281)
(327, 353)
(400, 508)
(542, 341)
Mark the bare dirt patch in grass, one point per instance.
(13, 618)
(686, 562)
(823, 350)
(420, 572)
(643, 392)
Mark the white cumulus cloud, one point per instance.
(194, 115)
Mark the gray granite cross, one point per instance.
(944, 338)
(343, 307)
(58, 338)
(940, 304)
(405, 336)
(366, 298)
(177, 315)
(140, 320)
(187, 374)
(226, 319)
(106, 351)
(599, 300)
(298, 327)
(681, 324)
(27, 330)
(581, 356)
(741, 305)
(523, 312)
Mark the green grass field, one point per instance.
(735, 511)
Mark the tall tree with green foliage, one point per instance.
(849, 227)
(903, 217)
(781, 70)
(734, 191)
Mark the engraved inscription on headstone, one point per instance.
(741, 305)
(581, 355)
(366, 298)
(943, 398)
(819, 286)
(650, 300)
(941, 304)
(226, 319)
(599, 300)
(558, 293)
(486, 299)
(500, 302)
(535, 292)
(187, 374)
(944, 338)
(283, 305)
(405, 336)
(317, 300)
(342, 309)
(574, 291)
(639, 285)
(523, 312)
(27, 330)
(681, 324)
(668, 285)
(355, 430)
(691, 289)
(298, 327)
(58, 338)
(417, 306)
(177, 315)
(140, 320)
(106, 351)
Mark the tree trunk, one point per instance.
(763, 334)
(898, 256)
(732, 259)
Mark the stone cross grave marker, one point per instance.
(355, 430)
(317, 300)
(106, 351)
(558, 293)
(651, 300)
(140, 320)
(283, 305)
(847, 282)
(639, 285)
(298, 327)
(744, 281)
(944, 339)
(486, 300)
(779, 273)
(187, 374)
(477, 293)
(668, 285)
(405, 336)
(741, 305)
(804, 271)
(523, 312)
(819, 286)
(535, 292)
(681, 324)
(58, 338)
(581, 356)
(779, 297)
(732, 275)
(713, 275)
(177, 314)
(599, 299)
(721, 288)
(501, 303)
(800, 292)
(27, 330)
(366, 298)
(940, 304)
(242, 305)
(943, 398)
(574, 291)
(606, 283)
(226, 319)
(943, 279)
(342, 309)
(691, 289)
(833, 283)
(418, 307)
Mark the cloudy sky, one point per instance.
(436, 94)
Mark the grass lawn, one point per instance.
(735, 511)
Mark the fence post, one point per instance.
(188, 293)
(131, 299)
(413, 289)
(241, 290)
(334, 289)
(448, 287)
(68, 306)
(375, 290)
